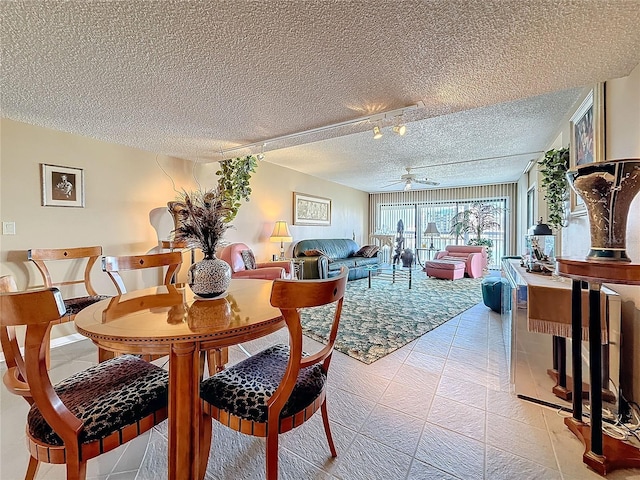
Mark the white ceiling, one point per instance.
(189, 78)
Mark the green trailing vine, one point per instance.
(553, 168)
(233, 183)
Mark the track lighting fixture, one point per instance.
(292, 137)
(260, 156)
(400, 129)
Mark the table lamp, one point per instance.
(281, 234)
(431, 231)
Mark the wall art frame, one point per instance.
(587, 137)
(311, 210)
(62, 186)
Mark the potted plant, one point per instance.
(474, 221)
(203, 216)
(553, 168)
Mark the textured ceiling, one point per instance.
(190, 78)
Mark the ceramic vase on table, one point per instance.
(607, 188)
(210, 277)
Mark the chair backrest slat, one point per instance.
(40, 256)
(113, 265)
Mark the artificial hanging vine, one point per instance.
(553, 168)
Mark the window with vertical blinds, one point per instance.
(417, 208)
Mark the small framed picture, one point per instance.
(587, 137)
(62, 186)
(311, 210)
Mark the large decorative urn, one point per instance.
(210, 277)
(607, 188)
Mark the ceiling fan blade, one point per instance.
(392, 184)
(427, 182)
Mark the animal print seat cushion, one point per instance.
(244, 389)
(106, 397)
(74, 305)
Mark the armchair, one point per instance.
(474, 258)
(239, 256)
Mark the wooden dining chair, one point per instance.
(114, 265)
(281, 387)
(75, 257)
(88, 413)
(12, 378)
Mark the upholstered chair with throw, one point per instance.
(92, 411)
(243, 264)
(281, 387)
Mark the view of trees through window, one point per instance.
(416, 217)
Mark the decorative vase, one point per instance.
(407, 257)
(210, 277)
(607, 188)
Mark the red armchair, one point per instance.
(233, 255)
(474, 258)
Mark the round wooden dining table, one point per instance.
(170, 320)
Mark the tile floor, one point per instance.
(438, 408)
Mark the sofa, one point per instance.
(474, 258)
(324, 257)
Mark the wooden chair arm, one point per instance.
(11, 380)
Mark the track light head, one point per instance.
(376, 132)
(260, 156)
(400, 129)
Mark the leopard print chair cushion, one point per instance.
(244, 389)
(106, 397)
(74, 305)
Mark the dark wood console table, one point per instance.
(602, 452)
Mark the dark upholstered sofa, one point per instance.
(337, 253)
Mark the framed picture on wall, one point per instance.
(62, 186)
(311, 210)
(587, 137)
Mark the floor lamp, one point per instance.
(281, 234)
(431, 231)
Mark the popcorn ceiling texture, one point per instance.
(191, 77)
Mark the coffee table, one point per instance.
(384, 271)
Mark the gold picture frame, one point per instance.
(587, 137)
(311, 210)
(62, 186)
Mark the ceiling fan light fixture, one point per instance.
(407, 186)
(376, 132)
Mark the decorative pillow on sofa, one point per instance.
(249, 259)
(367, 251)
(314, 252)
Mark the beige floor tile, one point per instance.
(393, 429)
(503, 465)
(460, 418)
(414, 401)
(463, 391)
(370, 460)
(521, 439)
(510, 406)
(423, 471)
(451, 452)
(425, 361)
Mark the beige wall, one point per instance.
(126, 196)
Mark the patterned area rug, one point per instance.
(379, 320)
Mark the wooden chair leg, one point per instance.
(327, 428)
(217, 359)
(205, 441)
(272, 452)
(76, 469)
(32, 469)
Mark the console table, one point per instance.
(602, 452)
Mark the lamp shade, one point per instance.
(281, 232)
(432, 229)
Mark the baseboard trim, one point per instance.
(58, 342)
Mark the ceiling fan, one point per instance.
(410, 179)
